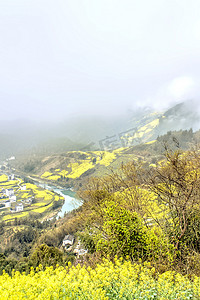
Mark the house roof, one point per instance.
(69, 237)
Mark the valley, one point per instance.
(136, 190)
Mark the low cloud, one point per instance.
(178, 89)
(181, 87)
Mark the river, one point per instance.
(71, 199)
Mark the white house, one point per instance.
(19, 207)
(23, 187)
(9, 192)
(79, 251)
(7, 204)
(13, 198)
(68, 240)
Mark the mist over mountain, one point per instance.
(141, 125)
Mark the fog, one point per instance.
(68, 59)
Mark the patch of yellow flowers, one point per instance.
(119, 280)
(80, 167)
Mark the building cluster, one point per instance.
(10, 193)
(68, 244)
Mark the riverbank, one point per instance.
(69, 198)
(71, 201)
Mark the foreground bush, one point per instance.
(119, 280)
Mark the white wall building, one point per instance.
(7, 204)
(68, 240)
(9, 192)
(23, 187)
(19, 207)
(13, 198)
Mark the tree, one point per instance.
(122, 185)
(176, 182)
(124, 234)
(46, 256)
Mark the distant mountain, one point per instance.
(22, 137)
(73, 168)
(179, 117)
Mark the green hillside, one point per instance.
(140, 210)
(73, 168)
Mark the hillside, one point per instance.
(26, 139)
(143, 203)
(73, 168)
(182, 116)
(126, 197)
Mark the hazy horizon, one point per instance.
(62, 59)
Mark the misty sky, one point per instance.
(61, 58)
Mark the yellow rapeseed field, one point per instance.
(3, 178)
(119, 280)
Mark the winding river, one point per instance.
(71, 199)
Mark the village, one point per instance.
(9, 199)
(19, 198)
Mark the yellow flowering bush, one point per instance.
(119, 280)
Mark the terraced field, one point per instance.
(80, 163)
(25, 199)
